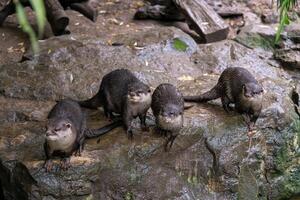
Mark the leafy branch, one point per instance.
(284, 7)
(39, 8)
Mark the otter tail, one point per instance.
(186, 107)
(212, 94)
(93, 103)
(91, 133)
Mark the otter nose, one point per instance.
(172, 114)
(49, 132)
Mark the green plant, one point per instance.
(179, 45)
(38, 7)
(284, 7)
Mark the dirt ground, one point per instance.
(114, 17)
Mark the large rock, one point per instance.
(293, 32)
(116, 168)
(288, 57)
(62, 69)
(257, 35)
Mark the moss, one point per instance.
(248, 186)
(282, 160)
(128, 196)
(287, 165)
(296, 141)
(193, 180)
(255, 41)
(179, 45)
(290, 184)
(289, 153)
(90, 197)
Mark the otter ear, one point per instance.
(262, 90)
(244, 87)
(68, 125)
(246, 91)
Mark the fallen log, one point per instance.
(203, 19)
(55, 13)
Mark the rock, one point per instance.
(288, 57)
(16, 181)
(62, 62)
(230, 12)
(23, 110)
(257, 35)
(203, 19)
(269, 17)
(293, 32)
(116, 168)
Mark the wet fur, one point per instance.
(168, 106)
(238, 86)
(114, 96)
(68, 139)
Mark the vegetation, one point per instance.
(39, 9)
(284, 7)
(179, 45)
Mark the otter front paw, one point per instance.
(129, 134)
(145, 128)
(65, 164)
(48, 165)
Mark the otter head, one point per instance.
(170, 118)
(59, 129)
(252, 90)
(171, 111)
(139, 93)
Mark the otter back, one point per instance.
(236, 85)
(122, 93)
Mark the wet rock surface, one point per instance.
(289, 57)
(117, 168)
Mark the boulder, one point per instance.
(116, 168)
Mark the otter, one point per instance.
(66, 132)
(122, 93)
(238, 86)
(168, 106)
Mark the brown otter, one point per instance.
(168, 106)
(122, 93)
(66, 132)
(238, 86)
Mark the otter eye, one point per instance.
(57, 129)
(68, 125)
(149, 91)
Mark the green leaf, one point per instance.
(179, 45)
(26, 26)
(286, 20)
(284, 6)
(278, 33)
(39, 8)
